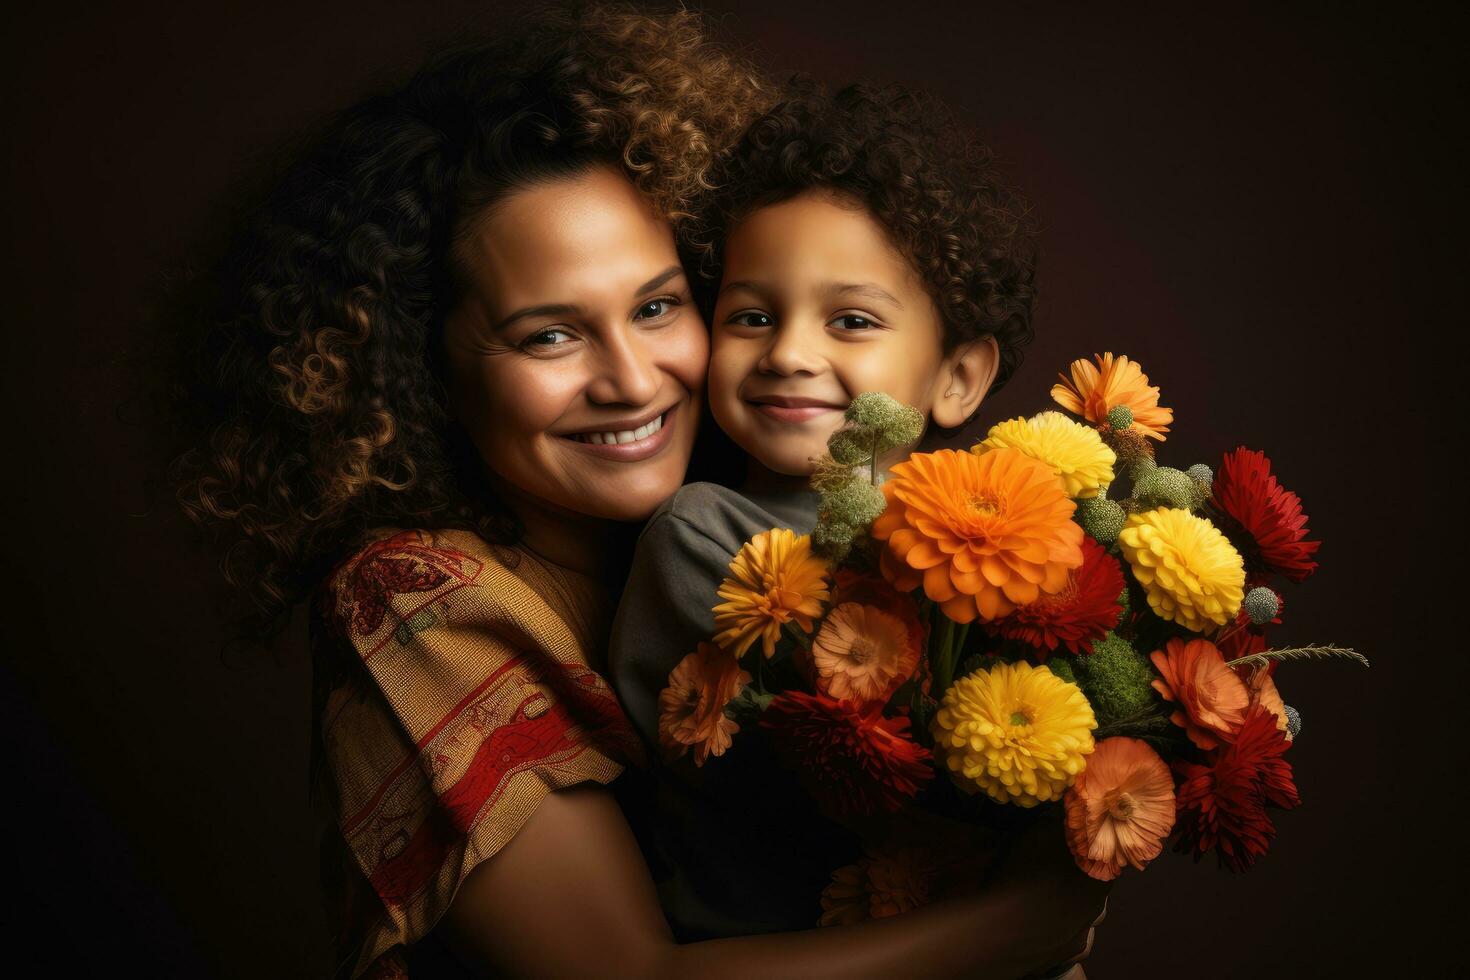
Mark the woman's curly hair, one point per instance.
(315, 407)
(937, 192)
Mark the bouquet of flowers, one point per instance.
(1011, 619)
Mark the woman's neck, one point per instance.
(591, 546)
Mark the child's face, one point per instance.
(815, 307)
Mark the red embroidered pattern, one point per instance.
(397, 565)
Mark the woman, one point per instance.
(454, 357)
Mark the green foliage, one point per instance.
(1116, 679)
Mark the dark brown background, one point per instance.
(1257, 207)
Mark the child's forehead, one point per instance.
(818, 233)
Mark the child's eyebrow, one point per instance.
(868, 289)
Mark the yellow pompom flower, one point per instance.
(1192, 574)
(1074, 450)
(1019, 733)
(774, 580)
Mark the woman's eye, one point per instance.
(654, 309)
(852, 321)
(751, 319)
(548, 338)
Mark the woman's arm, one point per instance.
(571, 896)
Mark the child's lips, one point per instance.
(794, 410)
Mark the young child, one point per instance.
(867, 246)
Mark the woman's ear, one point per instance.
(965, 376)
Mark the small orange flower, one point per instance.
(1212, 699)
(1262, 690)
(1120, 809)
(982, 534)
(862, 653)
(774, 580)
(880, 885)
(692, 707)
(1093, 390)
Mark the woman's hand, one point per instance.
(570, 895)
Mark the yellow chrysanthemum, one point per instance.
(774, 580)
(1191, 572)
(1019, 733)
(1074, 450)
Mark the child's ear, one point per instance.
(965, 376)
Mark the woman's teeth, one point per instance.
(626, 435)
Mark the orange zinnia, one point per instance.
(982, 534)
(1120, 809)
(774, 580)
(1212, 699)
(692, 707)
(863, 653)
(1093, 390)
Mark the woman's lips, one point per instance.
(632, 452)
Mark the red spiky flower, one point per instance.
(1270, 529)
(850, 757)
(1222, 805)
(1078, 615)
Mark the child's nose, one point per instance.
(791, 351)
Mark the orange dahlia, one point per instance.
(1120, 809)
(774, 580)
(1093, 390)
(692, 707)
(982, 534)
(1212, 699)
(863, 653)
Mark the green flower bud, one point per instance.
(1261, 605)
(1140, 467)
(848, 448)
(832, 540)
(879, 416)
(1100, 517)
(1293, 721)
(856, 503)
(1116, 678)
(1120, 416)
(1200, 473)
(1164, 486)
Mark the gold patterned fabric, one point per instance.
(456, 686)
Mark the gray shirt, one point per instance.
(736, 846)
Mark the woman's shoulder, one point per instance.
(398, 572)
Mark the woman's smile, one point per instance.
(629, 441)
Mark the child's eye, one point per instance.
(655, 308)
(853, 321)
(751, 319)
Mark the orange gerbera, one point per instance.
(863, 653)
(1093, 390)
(1120, 809)
(982, 534)
(1212, 699)
(692, 707)
(774, 580)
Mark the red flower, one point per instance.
(848, 755)
(1270, 526)
(1081, 613)
(1222, 805)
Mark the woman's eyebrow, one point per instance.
(659, 280)
(549, 309)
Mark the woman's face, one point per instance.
(576, 358)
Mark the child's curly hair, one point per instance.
(937, 192)
(314, 408)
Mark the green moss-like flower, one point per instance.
(856, 503)
(1261, 605)
(1293, 721)
(1201, 474)
(1120, 416)
(1100, 517)
(849, 448)
(892, 423)
(832, 540)
(1164, 486)
(1116, 678)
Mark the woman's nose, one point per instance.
(790, 351)
(626, 372)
